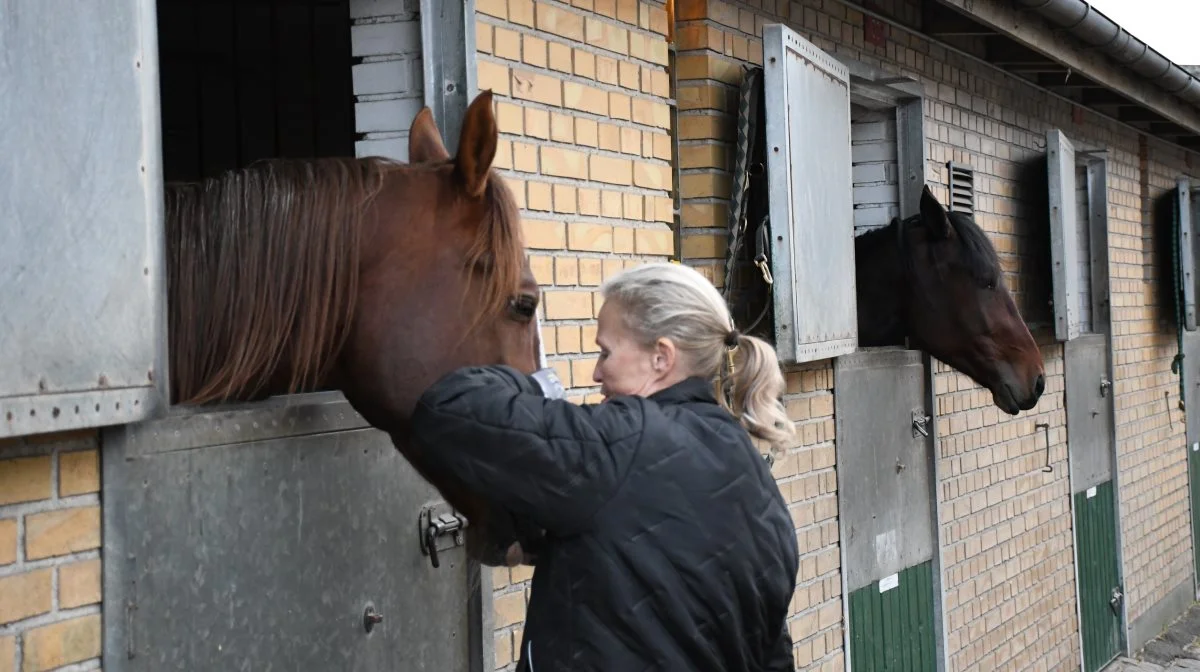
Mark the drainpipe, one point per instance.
(1098, 31)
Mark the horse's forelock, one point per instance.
(496, 250)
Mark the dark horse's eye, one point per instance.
(524, 306)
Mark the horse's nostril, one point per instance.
(1039, 386)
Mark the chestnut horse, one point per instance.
(368, 276)
(935, 280)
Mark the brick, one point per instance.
(25, 595)
(79, 584)
(623, 240)
(610, 170)
(632, 206)
(618, 106)
(606, 70)
(492, 76)
(8, 541)
(568, 339)
(606, 36)
(61, 532)
(627, 11)
(582, 370)
(533, 51)
(568, 305)
(585, 98)
(496, 8)
(588, 336)
(589, 237)
(544, 235)
(651, 176)
(566, 271)
(587, 132)
(537, 87)
(521, 12)
(560, 22)
(591, 272)
(537, 123)
(629, 75)
(62, 643)
(656, 241)
(8, 654)
(703, 215)
(562, 128)
(78, 473)
(506, 44)
(509, 118)
(563, 163)
(699, 36)
(610, 203)
(610, 137)
(702, 156)
(483, 37)
(560, 57)
(585, 64)
(651, 113)
(589, 202)
(565, 200)
(503, 647)
(542, 268)
(25, 479)
(704, 185)
(525, 157)
(548, 342)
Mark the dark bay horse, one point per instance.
(368, 276)
(935, 279)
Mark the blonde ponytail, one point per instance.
(755, 386)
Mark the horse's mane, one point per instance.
(264, 267)
(978, 254)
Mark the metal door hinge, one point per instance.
(919, 422)
(441, 528)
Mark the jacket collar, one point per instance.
(692, 389)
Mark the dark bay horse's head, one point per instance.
(958, 309)
(368, 276)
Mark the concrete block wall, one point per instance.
(584, 110)
(50, 579)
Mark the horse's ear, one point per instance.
(934, 215)
(477, 145)
(424, 140)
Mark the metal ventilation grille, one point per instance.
(962, 188)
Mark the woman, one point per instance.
(668, 545)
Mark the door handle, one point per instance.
(919, 420)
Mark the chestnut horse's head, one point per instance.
(935, 279)
(369, 276)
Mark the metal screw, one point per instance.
(370, 618)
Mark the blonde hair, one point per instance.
(667, 300)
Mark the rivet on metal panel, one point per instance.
(371, 618)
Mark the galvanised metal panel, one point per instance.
(891, 626)
(1184, 220)
(884, 470)
(82, 315)
(1083, 250)
(807, 98)
(1064, 254)
(1095, 535)
(1089, 399)
(448, 46)
(258, 537)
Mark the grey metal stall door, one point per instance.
(884, 470)
(258, 539)
(1089, 411)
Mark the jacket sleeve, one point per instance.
(551, 461)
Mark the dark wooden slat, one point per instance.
(256, 81)
(294, 64)
(333, 89)
(218, 91)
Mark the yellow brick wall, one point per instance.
(1006, 525)
(49, 552)
(583, 104)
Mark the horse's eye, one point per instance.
(524, 306)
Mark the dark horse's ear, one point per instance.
(424, 140)
(934, 215)
(477, 145)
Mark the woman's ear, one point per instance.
(665, 355)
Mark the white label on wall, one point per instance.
(889, 582)
(1091, 492)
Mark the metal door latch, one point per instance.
(919, 421)
(434, 524)
(371, 618)
(1105, 385)
(1115, 600)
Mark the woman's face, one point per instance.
(626, 367)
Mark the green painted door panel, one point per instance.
(893, 631)
(1095, 532)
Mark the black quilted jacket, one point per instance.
(668, 544)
